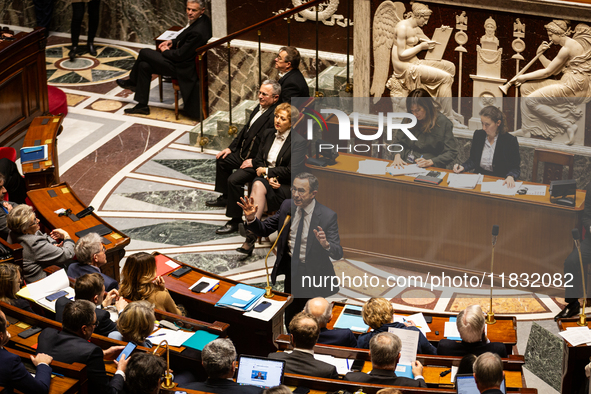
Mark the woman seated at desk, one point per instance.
(141, 283)
(39, 250)
(10, 284)
(436, 145)
(494, 151)
(135, 324)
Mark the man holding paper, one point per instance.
(384, 352)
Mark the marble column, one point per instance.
(361, 43)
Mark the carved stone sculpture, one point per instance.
(403, 39)
(553, 107)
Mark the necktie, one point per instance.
(295, 253)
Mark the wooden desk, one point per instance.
(395, 221)
(504, 330)
(46, 205)
(250, 336)
(23, 82)
(43, 131)
(578, 357)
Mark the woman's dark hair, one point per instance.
(466, 364)
(423, 99)
(495, 115)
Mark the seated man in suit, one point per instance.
(293, 83)
(14, 182)
(175, 58)
(488, 373)
(14, 375)
(91, 287)
(384, 351)
(70, 345)
(322, 310)
(471, 324)
(240, 154)
(304, 332)
(91, 256)
(219, 360)
(143, 373)
(6, 208)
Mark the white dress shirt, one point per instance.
(295, 222)
(488, 152)
(276, 148)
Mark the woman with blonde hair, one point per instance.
(10, 284)
(135, 324)
(39, 250)
(140, 282)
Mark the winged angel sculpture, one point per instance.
(403, 37)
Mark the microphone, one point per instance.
(576, 237)
(495, 232)
(582, 317)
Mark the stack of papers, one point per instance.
(464, 181)
(241, 297)
(408, 352)
(451, 330)
(351, 318)
(577, 335)
(268, 313)
(409, 170)
(498, 188)
(534, 190)
(210, 284)
(418, 319)
(37, 291)
(372, 167)
(174, 338)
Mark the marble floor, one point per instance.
(144, 177)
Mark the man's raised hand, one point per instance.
(247, 205)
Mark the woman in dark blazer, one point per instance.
(494, 151)
(281, 154)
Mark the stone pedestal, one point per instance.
(486, 92)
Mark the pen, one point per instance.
(215, 288)
(157, 335)
(57, 374)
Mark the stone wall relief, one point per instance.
(326, 13)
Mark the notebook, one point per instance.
(260, 371)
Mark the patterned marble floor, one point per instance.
(144, 177)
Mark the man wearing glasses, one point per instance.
(293, 83)
(306, 246)
(239, 155)
(91, 256)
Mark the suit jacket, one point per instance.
(69, 348)
(13, 182)
(506, 159)
(14, 375)
(290, 159)
(222, 386)
(338, 337)
(248, 140)
(448, 347)
(182, 55)
(293, 84)
(105, 326)
(303, 363)
(317, 258)
(492, 391)
(384, 376)
(76, 270)
(3, 227)
(424, 346)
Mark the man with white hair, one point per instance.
(91, 256)
(488, 373)
(322, 310)
(471, 324)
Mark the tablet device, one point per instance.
(260, 371)
(465, 384)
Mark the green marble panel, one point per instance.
(178, 232)
(112, 52)
(180, 200)
(125, 64)
(544, 355)
(54, 52)
(101, 75)
(218, 263)
(202, 170)
(70, 77)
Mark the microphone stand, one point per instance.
(490, 316)
(268, 292)
(582, 317)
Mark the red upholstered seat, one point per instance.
(58, 102)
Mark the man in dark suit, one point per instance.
(14, 183)
(14, 375)
(488, 373)
(322, 310)
(143, 374)
(471, 326)
(6, 207)
(304, 332)
(304, 252)
(293, 83)
(71, 346)
(91, 256)
(240, 154)
(91, 287)
(176, 59)
(219, 360)
(384, 351)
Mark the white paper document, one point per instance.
(210, 284)
(341, 364)
(174, 338)
(410, 342)
(451, 330)
(243, 295)
(268, 313)
(418, 319)
(498, 188)
(464, 181)
(577, 335)
(51, 284)
(406, 170)
(372, 167)
(169, 35)
(535, 190)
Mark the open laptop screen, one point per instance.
(466, 384)
(260, 371)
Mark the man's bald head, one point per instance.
(304, 330)
(321, 309)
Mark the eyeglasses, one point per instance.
(295, 190)
(96, 323)
(263, 94)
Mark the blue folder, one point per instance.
(352, 322)
(229, 301)
(453, 320)
(33, 153)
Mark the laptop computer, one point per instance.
(465, 384)
(260, 371)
